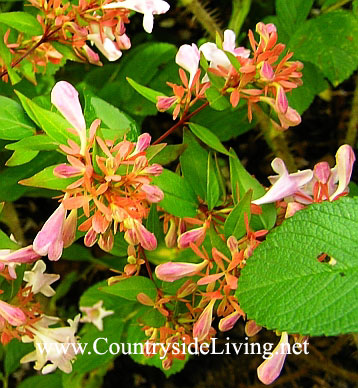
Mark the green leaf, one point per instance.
(153, 223)
(168, 154)
(241, 182)
(213, 184)
(120, 123)
(329, 41)
(148, 93)
(52, 123)
(235, 223)
(6, 242)
(285, 287)
(21, 157)
(193, 164)
(22, 21)
(47, 180)
(131, 287)
(42, 381)
(208, 137)
(15, 350)
(313, 83)
(10, 190)
(14, 124)
(216, 100)
(179, 199)
(34, 143)
(292, 13)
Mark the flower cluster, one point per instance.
(101, 23)
(255, 75)
(113, 186)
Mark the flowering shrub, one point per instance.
(172, 242)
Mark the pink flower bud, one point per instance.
(23, 255)
(232, 244)
(192, 236)
(66, 171)
(106, 241)
(322, 172)
(143, 143)
(164, 103)
(123, 41)
(65, 98)
(131, 237)
(171, 271)
(171, 236)
(229, 321)
(270, 369)
(188, 58)
(92, 57)
(266, 72)
(281, 101)
(147, 239)
(90, 238)
(202, 326)
(344, 165)
(292, 208)
(153, 193)
(14, 315)
(252, 328)
(155, 170)
(49, 239)
(290, 119)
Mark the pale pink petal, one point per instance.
(202, 326)
(172, 271)
(271, 368)
(188, 58)
(229, 321)
(192, 236)
(344, 162)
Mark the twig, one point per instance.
(180, 122)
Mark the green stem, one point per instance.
(351, 135)
(339, 4)
(240, 9)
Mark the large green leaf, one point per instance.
(52, 123)
(330, 41)
(285, 287)
(14, 124)
(179, 198)
(194, 162)
(131, 287)
(241, 182)
(292, 13)
(47, 180)
(119, 122)
(22, 21)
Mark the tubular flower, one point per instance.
(95, 314)
(60, 351)
(11, 258)
(172, 271)
(271, 368)
(40, 281)
(114, 188)
(13, 315)
(202, 326)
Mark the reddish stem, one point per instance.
(44, 39)
(181, 122)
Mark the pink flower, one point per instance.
(65, 98)
(228, 322)
(13, 258)
(266, 72)
(171, 271)
(164, 103)
(343, 170)
(143, 143)
(188, 58)
(281, 101)
(147, 7)
(146, 239)
(49, 240)
(271, 368)
(285, 184)
(252, 328)
(14, 315)
(154, 193)
(203, 324)
(104, 41)
(195, 236)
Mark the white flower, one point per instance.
(147, 7)
(95, 314)
(40, 281)
(53, 345)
